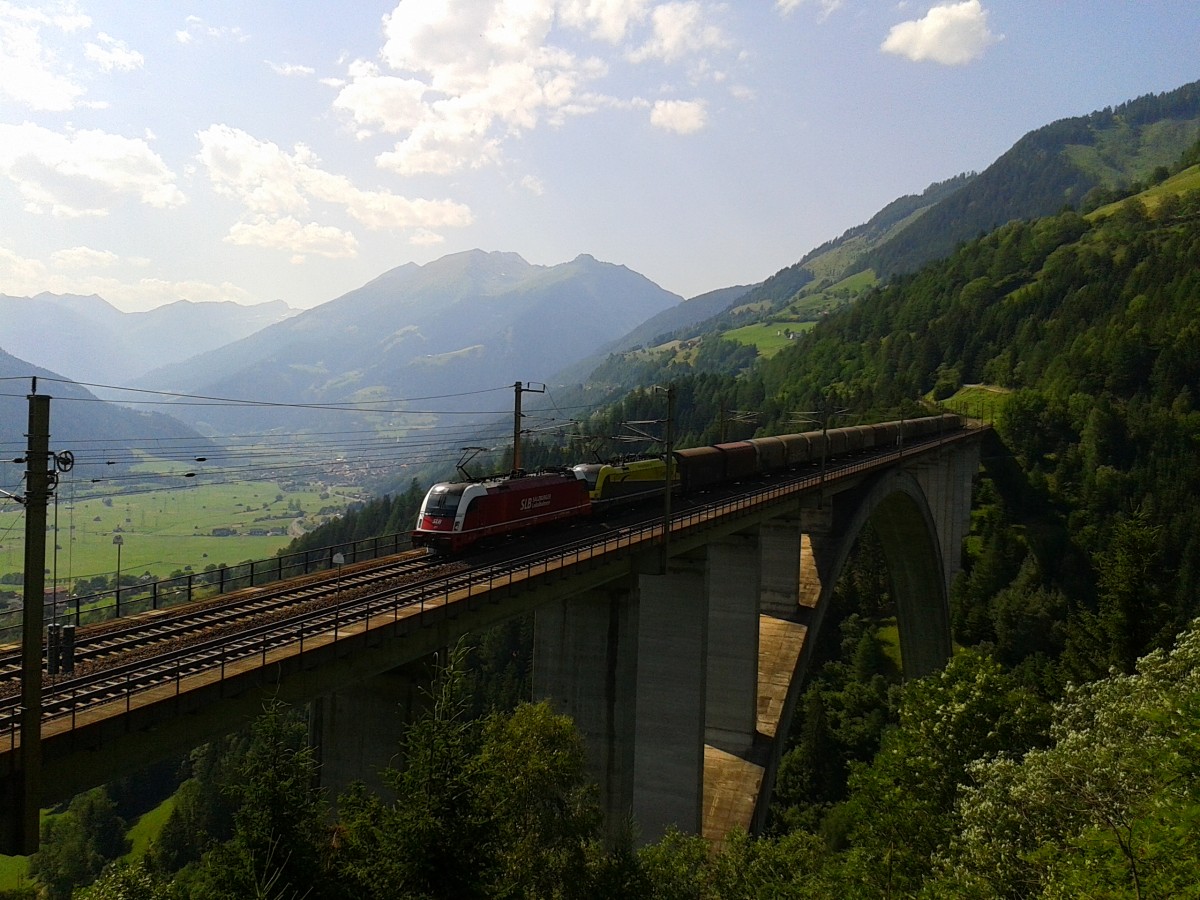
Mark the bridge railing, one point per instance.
(163, 593)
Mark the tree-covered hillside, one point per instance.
(1079, 163)
(1055, 166)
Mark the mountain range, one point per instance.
(446, 332)
(90, 428)
(1079, 162)
(88, 339)
(439, 338)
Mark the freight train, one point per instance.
(458, 515)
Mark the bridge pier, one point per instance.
(672, 647)
(780, 546)
(733, 575)
(654, 669)
(947, 481)
(356, 731)
(665, 675)
(585, 664)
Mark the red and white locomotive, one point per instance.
(459, 514)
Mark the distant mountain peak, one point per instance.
(468, 319)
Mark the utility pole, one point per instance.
(668, 442)
(669, 448)
(37, 491)
(826, 412)
(520, 388)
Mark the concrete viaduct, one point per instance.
(682, 681)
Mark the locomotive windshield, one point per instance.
(443, 499)
(587, 472)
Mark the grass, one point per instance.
(889, 636)
(979, 401)
(147, 828)
(767, 337)
(14, 872)
(1180, 183)
(167, 530)
(814, 302)
(1123, 150)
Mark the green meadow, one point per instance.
(164, 531)
(979, 401)
(768, 337)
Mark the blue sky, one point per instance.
(295, 150)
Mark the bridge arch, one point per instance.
(895, 504)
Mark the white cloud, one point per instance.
(110, 53)
(680, 116)
(196, 28)
(290, 235)
(83, 258)
(273, 183)
(71, 19)
(257, 173)
(24, 277)
(392, 103)
(458, 79)
(82, 172)
(290, 69)
(471, 74)
(424, 238)
(680, 29)
(534, 185)
(29, 70)
(953, 35)
(19, 276)
(828, 7)
(606, 20)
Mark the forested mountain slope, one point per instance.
(79, 421)
(1091, 327)
(1091, 323)
(1072, 162)
(1085, 556)
(1080, 162)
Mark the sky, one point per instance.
(295, 150)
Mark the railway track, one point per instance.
(172, 659)
(143, 635)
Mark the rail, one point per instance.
(423, 604)
(131, 599)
